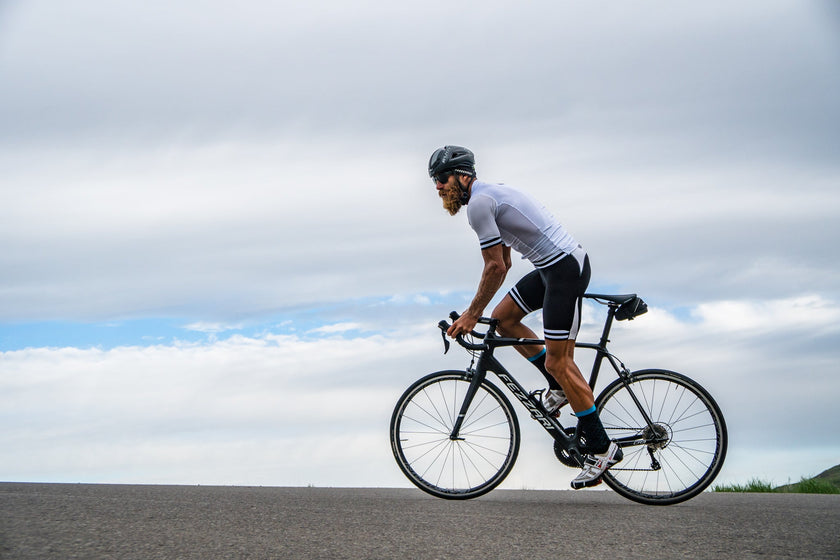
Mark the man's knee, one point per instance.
(560, 360)
(507, 314)
(557, 365)
(501, 314)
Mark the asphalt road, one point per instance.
(46, 521)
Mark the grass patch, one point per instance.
(754, 485)
(827, 482)
(811, 486)
(805, 486)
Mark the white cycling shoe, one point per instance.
(553, 400)
(596, 465)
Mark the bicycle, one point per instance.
(455, 434)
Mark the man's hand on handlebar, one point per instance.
(463, 325)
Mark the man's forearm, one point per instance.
(492, 278)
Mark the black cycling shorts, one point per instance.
(557, 290)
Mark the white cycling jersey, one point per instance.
(502, 214)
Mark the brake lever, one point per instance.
(444, 326)
(455, 316)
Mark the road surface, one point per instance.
(61, 521)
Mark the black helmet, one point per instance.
(452, 158)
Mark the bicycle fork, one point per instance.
(476, 379)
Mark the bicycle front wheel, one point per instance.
(468, 466)
(678, 453)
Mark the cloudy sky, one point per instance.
(223, 261)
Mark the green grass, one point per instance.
(827, 482)
(811, 486)
(754, 485)
(832, 475)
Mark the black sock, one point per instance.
(593, 433)
(539, 363)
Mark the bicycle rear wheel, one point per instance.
(676, 457)
(466, 467)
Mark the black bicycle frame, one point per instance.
(488, 362)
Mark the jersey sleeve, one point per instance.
(481, 212)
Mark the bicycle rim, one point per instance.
(677, 457)
(468, 467)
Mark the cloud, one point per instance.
(213, 327)
(285, 165)
(187, 233)
(722, 80)
(812, 314)
(153, 171)
(253, 409)
(146, 409)
(336, 328)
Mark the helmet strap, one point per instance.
(465, 192)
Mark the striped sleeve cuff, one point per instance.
(487, 243)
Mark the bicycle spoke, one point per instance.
(682, 449)
(440, 417)
(442, 445)
(470, 465)
(478, 401)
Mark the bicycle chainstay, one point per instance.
(655, 466)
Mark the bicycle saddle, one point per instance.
(615, 299)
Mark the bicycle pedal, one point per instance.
(592, 484)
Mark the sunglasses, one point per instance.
(442, 177)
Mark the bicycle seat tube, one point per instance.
(602, 353)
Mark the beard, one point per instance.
(451, 200)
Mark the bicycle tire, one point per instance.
(689, 441)
(475, 463)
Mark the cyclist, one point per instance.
(505, 218)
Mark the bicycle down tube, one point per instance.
(488, 362)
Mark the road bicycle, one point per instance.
(455, 434)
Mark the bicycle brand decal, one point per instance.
(536, 413)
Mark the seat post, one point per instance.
(601, 347)
(605, 335)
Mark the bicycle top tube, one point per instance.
(491, 340)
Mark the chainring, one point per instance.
(563, 455)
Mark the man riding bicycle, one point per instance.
(505, 218)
